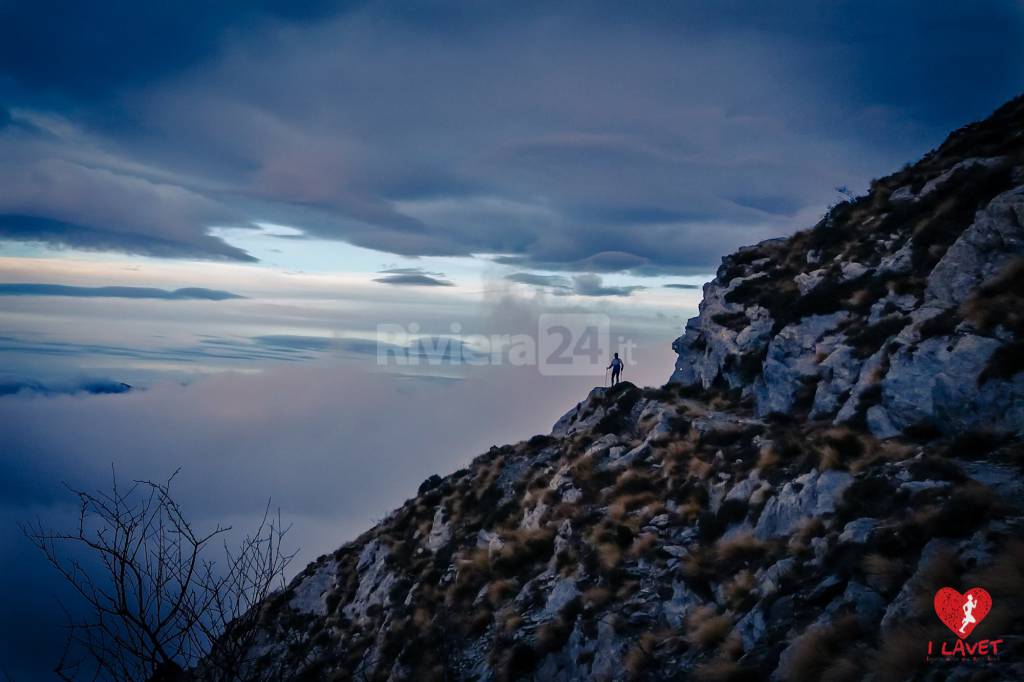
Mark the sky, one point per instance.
(289, 247)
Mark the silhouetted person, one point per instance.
(616, 368)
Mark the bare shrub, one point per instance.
(158, 603)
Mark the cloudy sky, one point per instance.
(208, 209)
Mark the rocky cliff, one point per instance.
(899, 310)
(841, 437)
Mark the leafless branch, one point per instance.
(156, 601)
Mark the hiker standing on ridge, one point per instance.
(616, 368)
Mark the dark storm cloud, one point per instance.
(89, 49)
(595, 137)
(184, 294)
(675, 285)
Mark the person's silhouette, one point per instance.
(616, 368)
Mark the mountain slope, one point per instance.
(841, 437)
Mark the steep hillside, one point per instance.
(841, 438)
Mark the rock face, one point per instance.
(915, 281)
(841, 437)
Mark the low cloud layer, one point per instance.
(183, 294)
(239, 439)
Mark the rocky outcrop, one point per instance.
(894, 311)
(842, 436)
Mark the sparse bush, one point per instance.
(633, 481)
(819, 648)
(882, 573)
(767, 458)
(519, 661)
(705, 628)
(800, 541)
(499, 591)
(738, 590)
(609, 554)
(596, 597)
(643, 545)
(733, 552)
(899, 656)
(626, 504)
(522, 549)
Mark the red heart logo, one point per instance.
(961, 613)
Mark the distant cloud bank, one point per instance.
(186, 294)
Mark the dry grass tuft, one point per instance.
(500, 591)
(596, 597)
(697, 565)
(899, 654)
(1004, 579)
(817, 652)
(720, 670)
(940, 569)
(737, 590)
(626, 504)
(522, 548)
(829, 458)
(800, 541)
(643, 544)
(698, 468)
(882, 573)
(552, 636)
(890, 450)
(609, 554)
(740, 548)
(705, 628)
(768, 458)
(641, 655)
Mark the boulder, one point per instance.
(792, 359)
(812, 494)
(994, 238)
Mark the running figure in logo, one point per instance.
(969, 612)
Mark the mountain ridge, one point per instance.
(841, 437)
